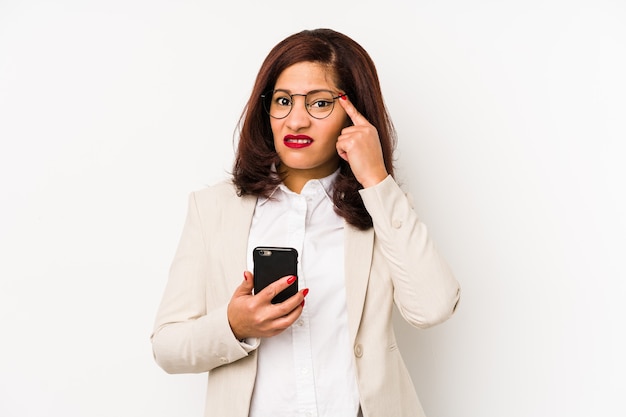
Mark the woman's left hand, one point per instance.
(360, 146)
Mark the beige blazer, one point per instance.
(396, 261)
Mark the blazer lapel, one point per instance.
(358, 259)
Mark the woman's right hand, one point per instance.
(255, 315)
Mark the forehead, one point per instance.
(306, 76)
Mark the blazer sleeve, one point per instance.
(186, 337)
(425, 289)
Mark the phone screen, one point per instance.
(271, 264)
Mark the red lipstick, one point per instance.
(297, 141)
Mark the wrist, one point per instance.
(374, 179)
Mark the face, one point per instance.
(307, 146)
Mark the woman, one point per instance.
(313, 171)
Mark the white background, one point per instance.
(510, 117)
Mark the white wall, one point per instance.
(511, 124)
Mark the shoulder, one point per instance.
(224, 188)
(221, 195)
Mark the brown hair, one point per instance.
(355, 73)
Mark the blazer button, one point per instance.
(396, 223)
(358, 351)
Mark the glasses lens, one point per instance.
(320, 103)
(277, 103)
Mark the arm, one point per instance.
(187, 338)
(425, 289)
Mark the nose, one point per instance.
(299, 117)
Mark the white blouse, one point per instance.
(307, 370)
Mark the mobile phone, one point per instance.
(272, 263)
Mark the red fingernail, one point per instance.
(291, 279)
(344, 96)
(305, 291)
(302, 303)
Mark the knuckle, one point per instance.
(255, 319)
(271, 290)
(282, 309)
(282, 324)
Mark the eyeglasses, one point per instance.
(318, 103)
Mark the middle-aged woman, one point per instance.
(313, 171)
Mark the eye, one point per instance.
(282, 100)
(320, 103)
(319, 100)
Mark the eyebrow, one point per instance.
(310, 91)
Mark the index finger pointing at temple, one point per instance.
(354, 115)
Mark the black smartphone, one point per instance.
(271, 264)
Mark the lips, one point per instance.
(297, 141)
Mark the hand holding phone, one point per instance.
(272, 263)
(258, 315)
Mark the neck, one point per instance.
(296, 179)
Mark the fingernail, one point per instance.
(291, 279)
(302, 303)
(244, 275)
(305, 292)
(344, 96)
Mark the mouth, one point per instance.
(297, 141)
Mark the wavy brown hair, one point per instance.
(355, 73)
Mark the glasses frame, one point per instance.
(270, 93)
